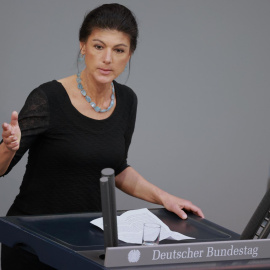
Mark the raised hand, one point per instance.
(11, 133)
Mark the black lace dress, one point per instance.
(67, 152)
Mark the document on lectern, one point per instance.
(130, 226)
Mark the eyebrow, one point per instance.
(121, 44)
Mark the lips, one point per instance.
(105, 71)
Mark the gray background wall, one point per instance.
(201, 73)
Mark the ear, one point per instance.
(82, 47)
(130, 54)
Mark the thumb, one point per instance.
(14, 119)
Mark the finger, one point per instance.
(14, 119)
(9, 139)
(178, 211)
(199, 213)
(14, 146)
(6, 127)
(7, 130)
(196, 210)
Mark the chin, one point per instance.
(105, 79)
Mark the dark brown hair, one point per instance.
(113, 17)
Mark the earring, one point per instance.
(81, 57)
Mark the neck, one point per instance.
(99, 92)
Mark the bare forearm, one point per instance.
(5, 158)
(132, 183)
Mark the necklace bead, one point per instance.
(88, 99)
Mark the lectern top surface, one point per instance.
(76, 232)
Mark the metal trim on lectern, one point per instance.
(199, 252)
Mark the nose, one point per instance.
(107, 56)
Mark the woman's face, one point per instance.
(106, 54)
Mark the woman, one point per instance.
(75, 127)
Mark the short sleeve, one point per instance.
(129, 133)
(33, 121)
(131, 124)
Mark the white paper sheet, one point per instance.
(130, 226)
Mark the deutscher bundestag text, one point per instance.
(207, 253)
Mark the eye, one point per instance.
(119, 50)
(98, 47)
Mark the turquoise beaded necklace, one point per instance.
(88, 99)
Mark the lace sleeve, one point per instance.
(33, 121)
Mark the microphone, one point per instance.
(108, 203)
